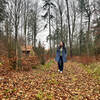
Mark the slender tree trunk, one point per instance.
(68, 17)
(87, 36)
(15, 45)
(16, 29)
(57, 29)
(35, 30)
(25, 31)
(50, 32)
(81, 33)
(32, 37)
(34, 41)
(28, 41)
(21, 33)
(54, 43)
(61, 20)
(74, 21)
(61, 27)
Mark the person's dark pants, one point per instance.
(60, 63)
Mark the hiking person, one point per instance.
(61, 56)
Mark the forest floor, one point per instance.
(46, 83)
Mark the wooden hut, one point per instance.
(28, 50)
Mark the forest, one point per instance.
(30, 34)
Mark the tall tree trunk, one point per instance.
(74, 21)
(34, 41)
(50, 32)
(25, 31)
(68, 17)
(28, 34)
(35, 30)
(16, 31)
(57, 29)
(87, 36)
(57, 38)
(33, 36)
(81, 28)
(61, 28)
(15, 28)
(54, 43)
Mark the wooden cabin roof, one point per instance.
(27, 48)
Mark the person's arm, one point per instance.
(57, 50)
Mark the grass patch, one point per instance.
(47, 65)
(44, 67)
(44, 96)
(40, 95)
(93, 68)
(53, 81)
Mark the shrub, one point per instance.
(40, 51)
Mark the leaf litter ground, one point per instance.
(48, 84)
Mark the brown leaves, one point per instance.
(74, 84)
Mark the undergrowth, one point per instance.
(93, 68)
(45, 66)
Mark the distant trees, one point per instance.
(78, 15)
(21, 26)
(96, 28)
(15, 9)
(70, 21)
(88, 12)
(81, 11)
(33, 22)
(25, 17)
(61, 10)
(2, 9)
(97, 36)
(2, 12)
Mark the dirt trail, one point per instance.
(74, 84)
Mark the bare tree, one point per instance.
(15, 9)
(34, 23)
(89, 12)
(61, 12)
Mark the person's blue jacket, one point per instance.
(64, 55)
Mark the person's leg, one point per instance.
(62, 64)
(59, 65)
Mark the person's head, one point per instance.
(62, 44)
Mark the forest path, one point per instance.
(48, 84)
